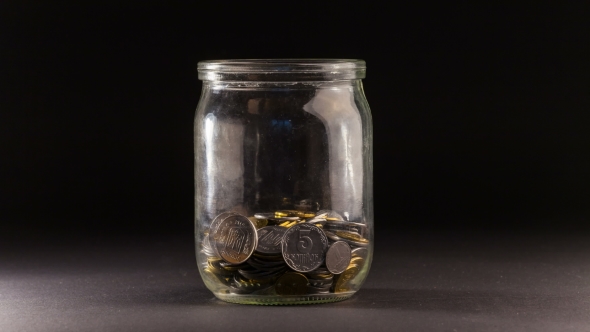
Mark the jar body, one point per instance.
(283, 171)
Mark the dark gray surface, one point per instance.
(444, 282)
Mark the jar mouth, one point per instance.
(281, 70)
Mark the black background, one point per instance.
(481, 114)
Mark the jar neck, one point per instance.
(266, 85)
(281, 70)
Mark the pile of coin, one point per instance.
(287, 252)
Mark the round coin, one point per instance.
(235, 239)
(291, 284)
(265, 215)
(332, 236)
(343, 284)
(269, 239)
(350, 236)
(304, 247)
(353, 227)
(360, 252)
(338, 257)
(213, 227)
(330, 215)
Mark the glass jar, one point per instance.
(283, 180)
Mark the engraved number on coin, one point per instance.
(305, 243)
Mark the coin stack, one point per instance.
(287, 252)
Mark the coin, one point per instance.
(331, 215)
(353, 227)
(206, 246)
(317, 221)
(258, 223)
(360, 252)
(213, 264)
(284, 218)
(291, 283)
(266, 215)
(304, 247)
(338, 257)
(212, 276)
(290, 213)
(352, 238)
(262, 264)
(359, 261)
(343, 284)
(332, 236)
(213, 227)
(269, 240)
(235, 238)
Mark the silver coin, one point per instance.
(338, 257)
(347, 226)
(262, 263)
(213, 227)
(304, 247)
(235, 239)
(206, 247)
(284, 218)
(332, 236)
(360, 252)
(330, 215)
(354, 243)
(265, 215)
(269, 239)
(316, 220)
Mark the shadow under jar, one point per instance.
(283, 180)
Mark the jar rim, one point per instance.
(281, 69)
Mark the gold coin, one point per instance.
(215, 268)
(258, 223)
(357, 260)
(291, 224)
(284, 213)
(292, 283)
(303, 214)
(351, 236)
(343, 284)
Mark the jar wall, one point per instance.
(283, 154)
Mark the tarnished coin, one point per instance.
(304, 247)
(291, 284)
(338, 257)
(269, 240)
(235, 239)
(213, 227)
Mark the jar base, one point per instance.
(283, 300)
